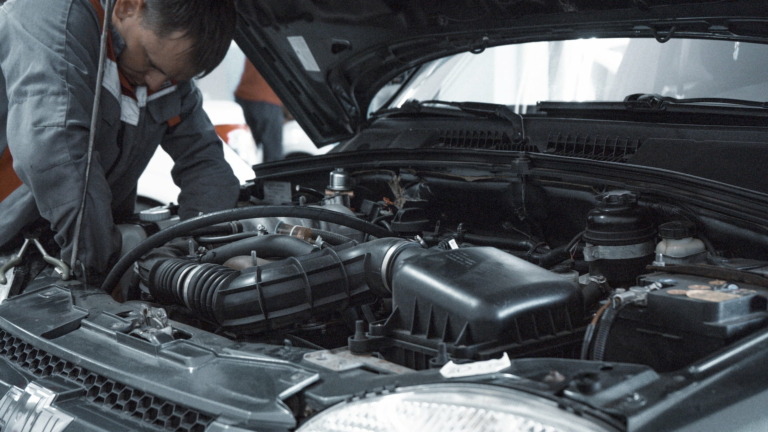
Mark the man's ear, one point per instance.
(128, 8)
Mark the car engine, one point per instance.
(415, 269)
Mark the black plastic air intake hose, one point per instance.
(280, 293)
(266, 246)
(188, 226)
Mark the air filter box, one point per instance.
(479, 302)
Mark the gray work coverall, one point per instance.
(48, 63)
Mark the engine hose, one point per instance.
(551, 258)
(219, 229)
(188, 226)
(591, 331)
(226, 238)
(190, 284)
(592, 293)
(280, 293)
(266, 246)
(331, 237)
(587, 340)
(499, 242)
(603, 330)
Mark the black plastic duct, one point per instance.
(268, 246)
(189, 226)
(280, 293)
(474, 294)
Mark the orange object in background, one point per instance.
(254, 88)
(9, 181)
(223, 130)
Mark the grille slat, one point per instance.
(105, 392)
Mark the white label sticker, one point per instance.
(277, 192)
(453, 370)
(304, 54)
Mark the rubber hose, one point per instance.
(272, 245)
(331, 237)
(603, 330)
(587, 339)
(552, 257)
(279, 293)
(498, 242)
(219, 229)
(184, 228)
(592, 294)
(226, 238)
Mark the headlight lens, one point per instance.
(450, 407)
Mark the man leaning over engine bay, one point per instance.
(49, 58)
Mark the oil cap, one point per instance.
(155, 214)
(339, 180)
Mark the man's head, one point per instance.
(172, 39)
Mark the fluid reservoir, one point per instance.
(678, 245)
(620, 238)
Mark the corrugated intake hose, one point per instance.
(266, 246)
(280, 293)
(189, 226)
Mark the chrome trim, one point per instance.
(30, 410)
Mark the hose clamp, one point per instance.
(389, 257)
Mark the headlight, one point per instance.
(450, 408)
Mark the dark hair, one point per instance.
(209, 23)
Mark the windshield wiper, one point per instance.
(658, 102)
(654, 103)
(475, 108)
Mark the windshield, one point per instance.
(594, 70)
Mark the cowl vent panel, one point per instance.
(480, 139)
(596, 147)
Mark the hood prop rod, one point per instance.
(92, 132)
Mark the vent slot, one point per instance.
(610, 149)
(102, 391)
(480, 139)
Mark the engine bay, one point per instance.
(329, 284)
(415, 269)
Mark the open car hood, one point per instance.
(326, 59)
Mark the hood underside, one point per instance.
(327, 58)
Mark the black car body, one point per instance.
(581, 264)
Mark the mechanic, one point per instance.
(48, 66)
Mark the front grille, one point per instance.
(610, 149)
(105, 392)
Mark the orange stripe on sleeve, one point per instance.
(174, 121)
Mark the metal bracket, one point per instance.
(152, 325)
(594, 253)
(61, 268)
